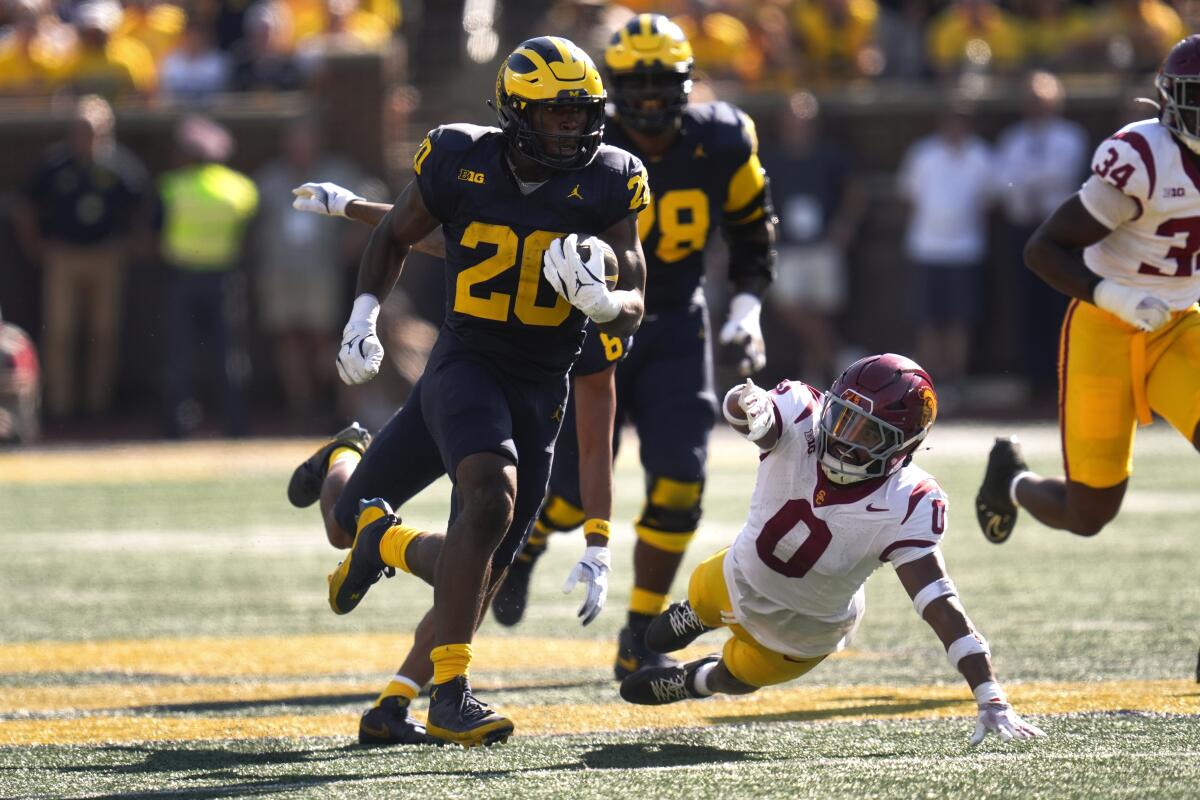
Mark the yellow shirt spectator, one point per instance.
(156, 25)
(722, 46)
(975, 33)
(1152, 27)
(28, 64)
(833, 32)
(1055, 29)
(118, 66)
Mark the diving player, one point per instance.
(836, 496)
(704, 172)
(511, 203)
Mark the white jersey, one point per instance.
(1155, 250)
(796, 571)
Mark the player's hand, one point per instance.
(755, 403)
(361, 352)
(744, 328)
(1140, 309)
(999, 718)
(592, 569)
(327, 199)
(581, 283)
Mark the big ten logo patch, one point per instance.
(810, 442)
(470, 176)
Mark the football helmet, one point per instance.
(1178, 84)
(873, 418)
(649, 64)
(543, 72)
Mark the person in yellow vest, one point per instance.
(206, 209)
(105, 64)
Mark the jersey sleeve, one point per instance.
(920, 531)
(1126, 161)
(431, 163)
(600, 351)
(746, 195)
(795, 402)
(631, 189)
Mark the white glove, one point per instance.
(582, 284)
(744, 327)
(756, 404)
(592, 569)
(1140, 309)
(998, 717)
(361, 353)
(327, 199)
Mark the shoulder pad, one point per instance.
(1127, 161)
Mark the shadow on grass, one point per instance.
(884, 706)
(648, 754)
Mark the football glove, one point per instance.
(998, 717)
(1140, 309)
(756, 404)
(361, 353)
(743, 327)
(581, 283)
(327, 199)
(592, 569)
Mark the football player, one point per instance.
(704, 173)
(512, 203)
(1124, 249)
(837, 495)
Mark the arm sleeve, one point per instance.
(795, 402)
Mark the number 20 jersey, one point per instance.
(498, 303)
(797, 568)
(1156, 250)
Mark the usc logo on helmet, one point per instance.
(928, 406)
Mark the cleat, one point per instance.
(304, 488)
(674, 629)
(995, 510)
(658, 686)
(633, 654)
(389, 723)
(362, 567)
(455, 716)
(508, 606)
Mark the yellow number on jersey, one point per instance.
(683, 219)
(496, 305)
(422, 153)
(614, 348)
(641, 191)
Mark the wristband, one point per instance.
(965, 646)
(989, 692)
(366, 309)
(942, 587)
(596, 526)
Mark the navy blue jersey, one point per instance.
(710, 175)
(497, 302)
(600, 351)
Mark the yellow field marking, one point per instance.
(789, 704)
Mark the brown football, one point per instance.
(611, 268)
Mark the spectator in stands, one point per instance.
(836, 37)
(973, 36)
(1134, 35)
(158, 25)
(103, 63)
(32, 54)
(821, 204)
(261, 60)
(196, 69)
(587, 23)
(947, 181)
(301, 266)
(898, 34)
(1040, 161)
(206, 210)
(20, 387)
(1055, 33)
(723, 46)
(79, 208)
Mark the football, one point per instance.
(611, 268)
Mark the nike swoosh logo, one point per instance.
(873, 508)
(630, 664)
(381, 732)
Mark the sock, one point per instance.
(647, 603)
(393, 546)
(399, 686)
(342, 452)
(450, 661)
(1012, 487)
(700, 679)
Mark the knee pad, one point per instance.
(671, 514)
(558, 514)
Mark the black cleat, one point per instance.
(455, 716)
(633, 654)
(508, 606)
(661, 685)
(304, 488)
(995, 510)
(363, 566)
(674, 629)
(389, 723)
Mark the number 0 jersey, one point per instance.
(796, 570)
(1155, 250)
(498, 304)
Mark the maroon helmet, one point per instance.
(873, 418)
(1178, 83)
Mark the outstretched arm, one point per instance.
(749, 410)
(332, 200)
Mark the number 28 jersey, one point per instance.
(797, 569)
(1155, 250)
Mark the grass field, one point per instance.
(165, 632)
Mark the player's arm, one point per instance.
(631, 264)
(1055, 251)
(332, 200)
(750, 411)
(595, 412)
(935, 599)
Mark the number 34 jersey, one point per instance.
(1155, 250)
(797, 569)
(498, 303)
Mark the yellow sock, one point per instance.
(643, 601)
(399, 686)
(394, 545)
(450, 661)
(342, 452)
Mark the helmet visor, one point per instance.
(853, 441)
(650, 99)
